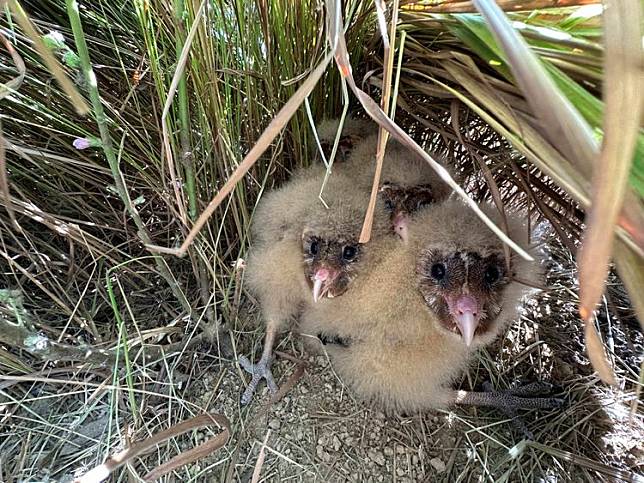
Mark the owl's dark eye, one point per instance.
(438, 271)
(349, 252)
(492, 274)
(314, 247)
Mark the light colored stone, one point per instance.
(336, 443)
(438, 465)
(377, 457)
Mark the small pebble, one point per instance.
(377, 457)
(438, 464)
(323, 455)
(336, 443)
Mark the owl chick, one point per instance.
(354, 131)
(410, 325)
(285, 275)
(313, 257)
(407, 182)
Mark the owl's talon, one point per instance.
(523, 397)
(259, 371)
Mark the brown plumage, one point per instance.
(291, 223)
(401, 167)
(407, 182)
(403, 201)
(409, 326)
(304, 252)
(354, 130)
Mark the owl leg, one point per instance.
(261, 370)
(511, 400)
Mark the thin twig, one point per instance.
(257, 471)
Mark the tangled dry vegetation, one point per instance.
(105, 343)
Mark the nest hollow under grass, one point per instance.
(76, 273)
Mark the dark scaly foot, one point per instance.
(527, 396)
(532, 389)
(511, 400)
(517, 398)
(259, 371)
(529, 392)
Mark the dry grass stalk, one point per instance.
(103, 471)
(273, 129)
(388, 40)
(623, 33)
(465, 6)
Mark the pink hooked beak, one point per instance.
(467, 313)
(321, 280)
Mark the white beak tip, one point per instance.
(317, 290)
(467, 324)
